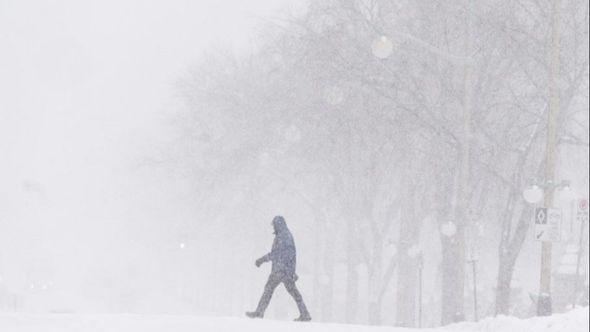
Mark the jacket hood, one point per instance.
(279, 225)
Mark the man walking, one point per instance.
(283, 258)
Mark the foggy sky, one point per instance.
(86, 90)
(88, 95)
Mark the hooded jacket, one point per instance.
(283, 253)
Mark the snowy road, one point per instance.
(574, 321)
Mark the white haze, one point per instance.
(86, 90)
(96, 213)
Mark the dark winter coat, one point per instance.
(283, 254)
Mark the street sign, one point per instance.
(582, 214)
(583, 205)
(548, 224)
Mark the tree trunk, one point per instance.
(352, 278)
(327, 280)
(505, 271)
(374, 311)
(408, 253)
(374, 286)
(406, 288)
(453, 273)
(453, 277)
(352, 294)
(453, 251)
(508, 253)
(327, 295)
(317, 264)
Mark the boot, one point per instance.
(303, 318)
(254, 314)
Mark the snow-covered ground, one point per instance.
(573, 321)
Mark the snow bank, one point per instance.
(573, 321)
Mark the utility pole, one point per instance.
(544, 306)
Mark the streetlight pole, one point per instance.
(544, 307)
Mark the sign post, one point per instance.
(582, 214)
(582, 217)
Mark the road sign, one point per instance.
(582, 214)
(583, 205)
(540, 216)
(548, 224)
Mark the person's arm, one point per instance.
(270, 256)
(263, 259)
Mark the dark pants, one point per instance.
(289, 281)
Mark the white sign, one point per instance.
(547, 224)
